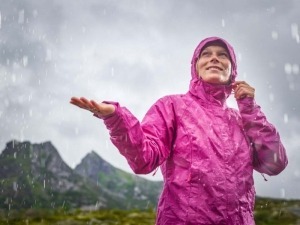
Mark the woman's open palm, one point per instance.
(102, 109)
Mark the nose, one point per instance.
(214, 58)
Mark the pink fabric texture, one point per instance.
(206, 151)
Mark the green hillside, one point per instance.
(267, 212)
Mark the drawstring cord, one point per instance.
(153, 174)
(264, 177)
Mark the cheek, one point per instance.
(199, 67)
(228, 69)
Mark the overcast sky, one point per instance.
(134, 52)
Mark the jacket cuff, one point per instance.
(246, 105)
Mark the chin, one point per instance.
(217, 80)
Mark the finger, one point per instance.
(77, 102)
(241, 89)
(239, 82)
(239, 94)
(81, 102)
(243, 86)
(83, 99)
(96, 105)
(246, 88)
(242, 92)
(74, 100)
(82, 106)
(87, 103)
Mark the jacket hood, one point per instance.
(212, 92)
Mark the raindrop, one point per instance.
(44, 183)
(223, 23)
(239, 56)
(295, 32)
(13, 78)
(25, 60)
(0, 19)
(271, 97)
(282, 192)
(288, 68)
(21, 17)
(48, 55)
(295, 68)
(274, 35)
(15, 186)
(112, 72)
(285, 118)
(271, 10)
(35, 13)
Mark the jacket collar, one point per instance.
(210, 93)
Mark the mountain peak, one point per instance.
(17, 146)
(93, 162)
(93, 154)
(14, 143)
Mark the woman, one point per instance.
(206, 151)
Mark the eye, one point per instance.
(204, 53)
(224, 54)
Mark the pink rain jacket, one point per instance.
(206, 151)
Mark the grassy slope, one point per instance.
(267, 212)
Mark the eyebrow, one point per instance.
(219, 51)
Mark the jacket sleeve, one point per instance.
(269, 153)
(145, 145)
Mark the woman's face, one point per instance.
(214, 65)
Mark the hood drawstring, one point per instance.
(264, 177)
(153, 174)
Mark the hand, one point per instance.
(241, 90)
(102, 109)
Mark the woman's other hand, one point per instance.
(102, 109)
(241, 90)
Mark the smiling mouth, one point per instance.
(214, 68)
